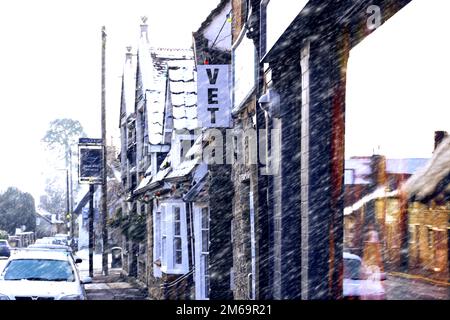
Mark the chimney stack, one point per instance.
(144, 28)
(438, 137)
(128, 55)
(379, 170)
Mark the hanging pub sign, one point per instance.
(90, 153)
(213, 94)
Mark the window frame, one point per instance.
(169, 264)
(202, 276)
(157, 239)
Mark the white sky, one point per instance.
(50, 68)
(399, 82)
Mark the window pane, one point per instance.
(205, 240)
(163, 251)
(176, 213)
(204, 273)
(205, 218)
(157, 235)
(178, 257)
(177, 228)
(177, 250)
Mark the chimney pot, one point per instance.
(128, 54)
(144, 28)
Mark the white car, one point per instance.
(362, 282)
(41, 275)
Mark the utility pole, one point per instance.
(91, 230)
(104, 169)
(72, 218)
(67, 199)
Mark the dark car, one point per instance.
(5, 250)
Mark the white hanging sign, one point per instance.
(213, 96)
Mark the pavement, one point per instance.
(406, 287)
(114, 286)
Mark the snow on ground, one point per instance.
(97, 260)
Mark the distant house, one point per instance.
(371, 197)
(411, 216)
(45, 224)
(428, 195)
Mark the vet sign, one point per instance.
(90, 162)
(213, 96)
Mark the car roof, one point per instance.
(40, 254)
(49, 246)
(348, 255)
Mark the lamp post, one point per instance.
(104, 175)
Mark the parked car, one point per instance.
(5, 250)
(56, 247)
(61, 238)
(362, 282)
(41, 275)
(45, 240)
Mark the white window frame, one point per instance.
(168, 263)
(157, 239)
(201, 270)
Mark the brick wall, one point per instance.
(238, 19)
(244, 178)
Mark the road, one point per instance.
(398, 288)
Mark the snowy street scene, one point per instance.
(225, 150)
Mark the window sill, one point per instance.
(167, 270)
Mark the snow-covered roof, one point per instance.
(153, 67)
(357, 169)
(183, 169)
(377, 194)
(144, 182)
(183, 94)
(43, 212)
(425, 181)
(197, 148)
(217, 28)
(128, 85)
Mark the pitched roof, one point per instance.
(432, 178)
(358, 169)
(377, 194)
(153, 69)
(183, 94)
(223, 4)
(128, 86)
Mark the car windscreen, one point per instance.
(3, 244)
(352, 269)
(39, 270)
